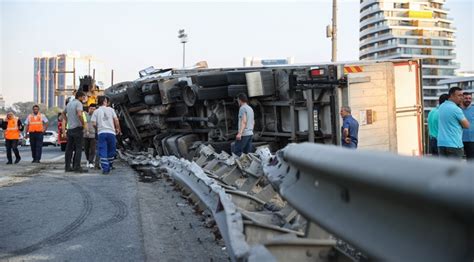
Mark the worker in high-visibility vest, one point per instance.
(12, 126)
(35, 125)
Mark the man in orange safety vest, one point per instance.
(36, 124)
(12, 126)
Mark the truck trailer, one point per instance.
(172, 111)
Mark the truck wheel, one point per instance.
(218, 79)
(150, 88)
(63, 147)
(190, 95)
(234, 90)
(134, 93)
(118, 92)
(153, 99)
(209, 93)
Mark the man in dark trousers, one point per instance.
(451, 123)
(349, 129)
(12, 126)
(243, 142)
(36, 124)
(75, 133)
(433, 118)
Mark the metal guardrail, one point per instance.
(393, 208)
(253, 223)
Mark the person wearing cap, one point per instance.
(35, 125)
(12, 126)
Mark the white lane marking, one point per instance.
(55, 159)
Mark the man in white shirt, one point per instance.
(105, 120)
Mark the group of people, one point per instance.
(451, 125)
(94, 130)
(35, 125)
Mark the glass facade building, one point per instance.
(48, 87)
(397, 29)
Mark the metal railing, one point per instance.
(393, 208)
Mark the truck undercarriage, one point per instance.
(170, 110)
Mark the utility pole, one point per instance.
(183, 37)
(334, 31)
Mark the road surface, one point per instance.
(47, 214)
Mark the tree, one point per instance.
(23, 109)
(52, 112)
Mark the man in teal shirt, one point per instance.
(433, 125)
(468, 134)
(450, 125)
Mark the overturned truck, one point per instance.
(171, 111)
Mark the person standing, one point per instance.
(75, 133)
(12, 127)
(349, 129)
(450, 125)
(36, 124)
(433, 118)
(243, 143)
(89, 137)
(105, 120)
(468, 134)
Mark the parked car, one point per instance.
(50, 138)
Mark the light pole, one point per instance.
(334, 31)
(331, 31)
(183, 38)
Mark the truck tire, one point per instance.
(134, 93)
(153, 99)
(234, 90)
(237, 77)
(190, 95)
(209, 93)
(217, 79)
(118, 92)
(150, 88)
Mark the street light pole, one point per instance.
(334, 31)
(184, 54)
(183, 37)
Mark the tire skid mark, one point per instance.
(121, 212)
(70, 231)
(66, 233)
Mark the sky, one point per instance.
(130, 36)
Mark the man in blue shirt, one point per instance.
(433, 118)
(468, 134)
(450, 125)
(349, 129)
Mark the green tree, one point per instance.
(23, 109)
(52, 112)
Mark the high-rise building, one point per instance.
(392, 29)
(49, 87)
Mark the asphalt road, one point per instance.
(50, 153)
(46, 214)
